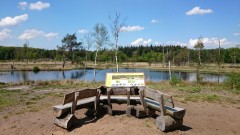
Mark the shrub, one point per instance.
(233, 81)
(175, 80)
(36, 69)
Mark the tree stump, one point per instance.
(66, 122)
(130, 110)
(165, 123)
(109, 109)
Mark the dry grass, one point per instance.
(57, 65)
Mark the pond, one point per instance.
(150, 75)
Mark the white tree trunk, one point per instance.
(169, 70)
(116, 56)
(95, 65)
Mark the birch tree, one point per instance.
(100, 35)
(116, 26)
(199, 46)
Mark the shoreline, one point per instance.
(57, 66)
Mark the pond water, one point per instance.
(150, 75)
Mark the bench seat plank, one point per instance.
(120, 99)
(175, 112)
(59, 110)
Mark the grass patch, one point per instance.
(202, 97)
(54, 94)
(65, 84)
(190, 89)
(6, 98)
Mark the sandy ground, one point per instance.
(201, 118)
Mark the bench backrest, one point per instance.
(68, 98)
(153, 94)
(85, 93)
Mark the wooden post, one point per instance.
(161, 105)
(74, 102)
(141, 94)
(128, 96)
(109, 97)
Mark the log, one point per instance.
(109, 109)
(136, 111)
(176, 112)
(66, 122)
(60, 110)
(129, 110)
(165, 123)
(139, 112)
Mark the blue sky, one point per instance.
(44, 23)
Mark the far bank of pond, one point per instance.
(150, 75)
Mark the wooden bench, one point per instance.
(119, 95)
(122, 88)
(170, 116)
(64, 112)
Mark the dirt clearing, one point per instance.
(33, 115)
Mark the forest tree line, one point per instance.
(161, 53)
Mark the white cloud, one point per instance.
(236, 34)
(82, 31)
(198, 11)
(157, 43)
(11, 21)
(30, 34)
(39, 5)
(22, 5)
(51, 35)
(4, 34)
(33, 33)
(176, 43)
(141, 41)
(210, 42)
(153, 21)
(131, 28)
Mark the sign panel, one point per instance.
(124, 79)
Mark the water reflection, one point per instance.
(150, 75)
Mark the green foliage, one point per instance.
(5, 99)
(36, 69)
(202, 97)
(233, 81)
(151, 54)
(69, 45)
(190, 89)
(175, 80)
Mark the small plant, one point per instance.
(36, 69)
(233, 81)
(175, 80)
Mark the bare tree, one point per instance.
(199, 46)
(88, 42)
(163, 58)
(25, 49)
(100, 35)
(116, 26)
(219, 55)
